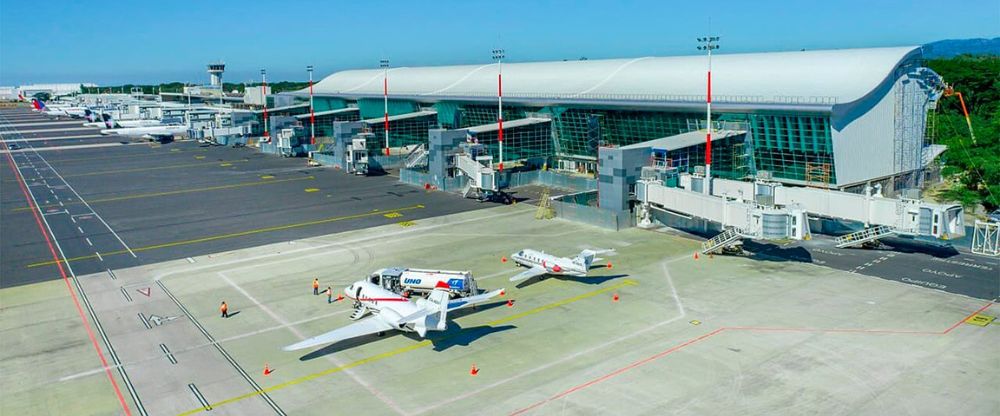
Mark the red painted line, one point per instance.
(619, 371)
(735, 328)
(62, 272)
(985, 307)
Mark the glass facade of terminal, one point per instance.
(792, 146)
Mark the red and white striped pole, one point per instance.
(263, 76)
(498, 55)
(709, 45)
(312, 111)
(385, 95)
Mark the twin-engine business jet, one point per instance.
(539, 263)
(392, 311)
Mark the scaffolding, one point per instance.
(817, 175)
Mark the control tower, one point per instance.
(215, 71)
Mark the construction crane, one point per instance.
(950, 91)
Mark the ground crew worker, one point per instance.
(329, 294)
(316, 287)
(224, 309)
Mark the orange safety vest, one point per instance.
(316, 284)
(224, 307)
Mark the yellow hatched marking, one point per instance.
(980, 319)
(392, 215)
(407, 223)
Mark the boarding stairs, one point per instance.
(986, 238)
(864, 236)
(723, 239)
(417, 157)
(359, 312)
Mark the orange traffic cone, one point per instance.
(474, 370)
(267, 370)
(696, 255)
(503, 259)
(510, 303)
(609, 264)
(614, 298)
(340, 297)
(503, 293)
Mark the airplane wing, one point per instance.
(472, 300)
(527, 274)
(363, 327)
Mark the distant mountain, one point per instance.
(953, 47)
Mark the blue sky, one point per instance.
(110, 42)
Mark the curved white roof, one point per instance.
(806, 77)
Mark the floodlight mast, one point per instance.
(498, 55)
(263, 93)
(708, 44)
(384, 64)
(312, 110)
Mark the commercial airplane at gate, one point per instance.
(539, 263)
(393, 311)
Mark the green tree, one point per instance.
(972, 169)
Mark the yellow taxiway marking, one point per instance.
(312, 189)
(199, 157)
(225, 165)
(267, 177)
(392, 215)
(138, 156)
(408, 348)
(222, 236)
(183, 165)
(168, 193)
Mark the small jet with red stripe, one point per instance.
(540, 263)
(392, 311)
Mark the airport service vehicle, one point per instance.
(540, 263)
(424, 281)
(392, 311)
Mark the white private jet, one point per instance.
(393, 311)
(539, 263)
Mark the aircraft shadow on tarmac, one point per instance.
(454, 335)
(588, 280)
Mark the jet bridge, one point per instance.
(768, 210)
(739, 218)
(881, 216)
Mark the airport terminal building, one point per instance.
(835, 118)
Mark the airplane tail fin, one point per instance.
(439, 297)
(108, 121)
(587, 258)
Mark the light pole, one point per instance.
(384, 64)
(263, 93)
(312, 111)
(498, 55)
(708, 44)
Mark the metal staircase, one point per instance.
(359, 312)
(860, 237)
(417, 157)
(723, 239)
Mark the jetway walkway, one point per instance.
(767, 210)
